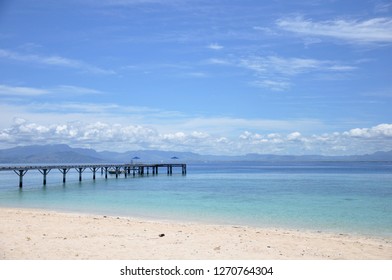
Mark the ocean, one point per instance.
(336, 197)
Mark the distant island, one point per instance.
(62, 153)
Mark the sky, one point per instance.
(204, 76)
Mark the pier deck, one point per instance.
(117, 169)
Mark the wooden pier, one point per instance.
(116, 169)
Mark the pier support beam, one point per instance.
(183, 169)
(44, 172)
(94, 170)
(20, 173)
(80, 171)
(64, 171)
(117, 171)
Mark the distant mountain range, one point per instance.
(65, 154)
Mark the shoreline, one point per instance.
(203, 222)
(33, 234)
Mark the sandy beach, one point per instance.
(27, 234)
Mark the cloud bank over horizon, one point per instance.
(121, 137)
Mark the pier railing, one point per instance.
(117, 169)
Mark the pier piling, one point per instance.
(106, 172)
(20, 173)
(80, 171)
(64, 171)
(44, 172)
(94, 170)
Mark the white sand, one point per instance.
(37, 234)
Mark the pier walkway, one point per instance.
(116, 169)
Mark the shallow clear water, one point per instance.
(336, 197)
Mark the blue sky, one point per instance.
(213, 77)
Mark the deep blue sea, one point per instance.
(341, 197)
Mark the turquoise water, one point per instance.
(351, 198)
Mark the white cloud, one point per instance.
(97, 111)
(22, 91)
(276, 72)
(383, 7)
(218, 61)
(294, 136)
(75, 90)
(215, 46)
(17, 91)
(273, 85)
(290, 66)
(196, 74)
(375, 30)
(55, 61)
(265, 30)
(379, 131)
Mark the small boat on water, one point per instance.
(114, 172)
